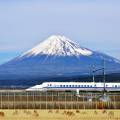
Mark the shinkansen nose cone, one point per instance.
(36, 88)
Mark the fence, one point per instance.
(56, 100)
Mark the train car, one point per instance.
(75, 86)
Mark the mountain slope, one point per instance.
(56, 56)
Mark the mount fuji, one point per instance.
(57, 56)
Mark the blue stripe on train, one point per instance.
(84, 87)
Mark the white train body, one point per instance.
(75, 86)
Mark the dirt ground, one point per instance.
(59, 114)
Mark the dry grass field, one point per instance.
(59, 114)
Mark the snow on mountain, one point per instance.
(59, 46)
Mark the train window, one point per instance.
(84, 85)
(115, 85)
(72, 85)
(60, 85)
(87, 85)
(69, 85)
(81, 85)
(75, 85)
(90, 85)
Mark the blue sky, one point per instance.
(94, 24)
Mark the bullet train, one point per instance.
(75, 86)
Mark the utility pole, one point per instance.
(104, 73)
(93, 72)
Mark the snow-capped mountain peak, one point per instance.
(59, 46)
